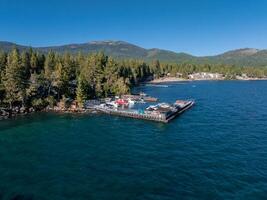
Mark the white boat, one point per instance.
(131, 102)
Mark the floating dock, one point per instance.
(147, 116)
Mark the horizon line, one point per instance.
(114, 40)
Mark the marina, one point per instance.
(125, 106)
(164, 115)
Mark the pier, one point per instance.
(175, 111)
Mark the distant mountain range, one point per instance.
(120, 49)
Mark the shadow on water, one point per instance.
(23, 120)
(16, 197)
(22, 197)
(43, 117)
(36, 118)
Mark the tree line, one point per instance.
(33, 79)
(229, 71)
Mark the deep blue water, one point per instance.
(216, 150)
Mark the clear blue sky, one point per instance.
(199, 27)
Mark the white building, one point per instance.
(205, 76)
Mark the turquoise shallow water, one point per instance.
(216, 150)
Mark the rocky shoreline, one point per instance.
(66, 110)
(6, 113)
(15, 112)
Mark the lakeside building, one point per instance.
(205, 76)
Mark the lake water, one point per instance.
(216, 150)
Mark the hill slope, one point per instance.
(120, 49)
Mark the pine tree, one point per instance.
(34, 62)
(69, 67)
(26, 65)
(81, 92)
(156, 69)
(49, 65)
(57, 82)
(14, 81)
(64, 73)
(111, 74)
(3, 60)
(120, 87)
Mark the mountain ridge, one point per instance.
(124, 50)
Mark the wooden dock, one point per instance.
(144, 116)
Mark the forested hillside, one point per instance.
(123, 50)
